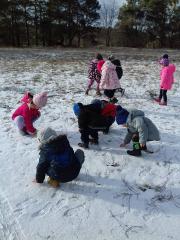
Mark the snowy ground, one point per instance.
(116, 196)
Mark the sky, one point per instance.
(120, 2)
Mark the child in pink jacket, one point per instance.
(109, 80)
(166, 79)
(28, 112)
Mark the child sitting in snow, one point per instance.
(140, 129)
(166, 79)
(94, 74)
(98, 116)
(28, 112)
(57, 158)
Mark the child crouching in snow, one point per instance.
(92, 118)
(28, 112)
(57, 158)
(140, 129)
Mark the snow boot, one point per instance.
(87, 91)
(163, 103)
(106, 131)
(53, 183)
(136, 147)
(94, 141)
(158, 100)
(122, 90)
(83, 145)
(98, 93)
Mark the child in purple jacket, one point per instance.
(94, 74)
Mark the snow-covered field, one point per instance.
(116, 196)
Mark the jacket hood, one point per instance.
(27, 98)
(172, 67)
(58, 144)
(134, 113)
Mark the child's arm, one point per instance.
(42, 168)
(104, 78)
(128, 138)
(142, 130)
(163, 77)
(28, 122)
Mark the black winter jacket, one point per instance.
(119, 69)
(58, 161)
(90, 116)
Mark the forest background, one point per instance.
(87, 23)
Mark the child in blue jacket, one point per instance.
(57, 158)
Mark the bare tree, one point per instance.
(109, 14)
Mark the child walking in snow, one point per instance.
(119, 71)
(93, 74)
(109, 80)
(166, 79)
(28, 112)
(140, 129)
(57, 158)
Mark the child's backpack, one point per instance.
(119, 70)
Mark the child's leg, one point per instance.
(84, 137)
(94, 134)
(91, 81)
(19, 121)
(160, 94)
(110, 121)
(97, 89)
(164, 93)
(80, 156)
(136, 146)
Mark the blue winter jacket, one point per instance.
(58, 161)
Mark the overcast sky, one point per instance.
(119, 2)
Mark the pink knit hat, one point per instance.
(40, 99)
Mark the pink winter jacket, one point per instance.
(109, 77)
(167, 78)
(28, 114)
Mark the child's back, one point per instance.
(57, 158)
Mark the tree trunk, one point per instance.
(27, 28)
(36, 26)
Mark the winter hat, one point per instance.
(121, 115)
(165, 56)
(99, 56)
(40, 99)
(164, 61)
(46, 134)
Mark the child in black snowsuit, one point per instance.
(90, 121)
(57, 158)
